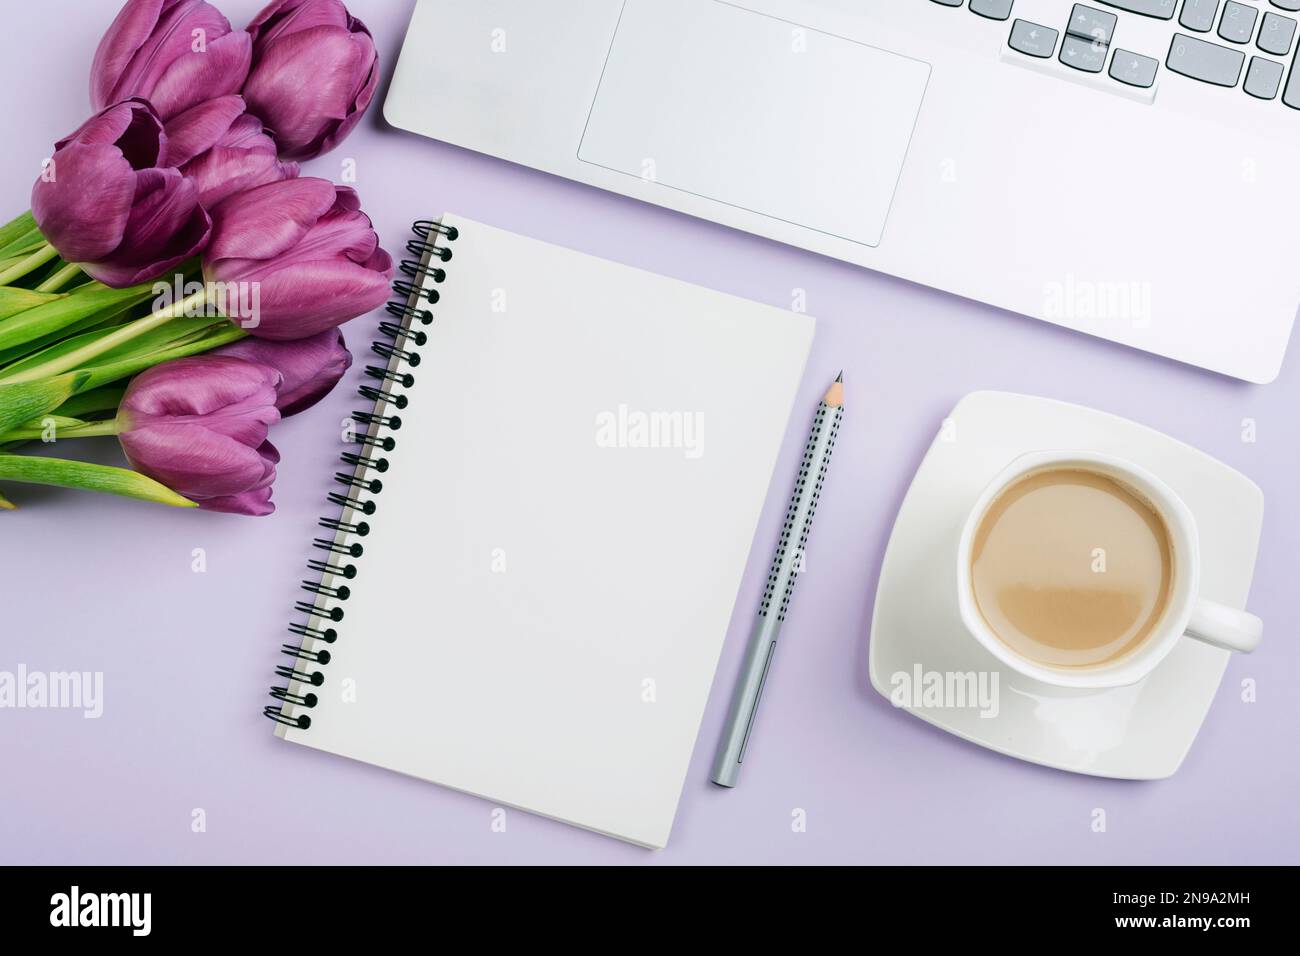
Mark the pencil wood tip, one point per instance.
(835, 394)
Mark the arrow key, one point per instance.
(1082, 54)
(1090, 23)
(1134, 69)
(1032, 39)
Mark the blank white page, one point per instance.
(560, 537)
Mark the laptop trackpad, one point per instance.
(756, 112)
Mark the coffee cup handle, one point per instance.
(1224, 626)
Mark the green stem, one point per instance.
(66, 473)
(125, 333)
(34, 261)
(89, 430)
(61, 278)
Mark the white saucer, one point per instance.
(1138, 732)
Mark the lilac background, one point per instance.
(93, 583)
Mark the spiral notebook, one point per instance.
(523, 586)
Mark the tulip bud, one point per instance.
(224, 150)
(108, 204)
(309, 368)
(309, 251)
(199, 426)
(314, 73)
(174, 53)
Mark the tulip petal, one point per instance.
(269, 452)
(346, 199)
(193, 77)
(200, 128)
(338, 233)
(166, 226)
(256, 503)
(220, 172)
(200, 424)
(83, 212)
(310, 367)
(309, 297)
(265, 222)
(380, 262)
(246, 420)
(361, 102)
(308, 393)
(292, 16)
(131, 125)
(125, 35)
(197, 386)
(181, 25)
(247, 133)
(304, 83)
(195, 462)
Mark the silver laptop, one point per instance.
(1126, 168)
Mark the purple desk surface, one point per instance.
(93, 583)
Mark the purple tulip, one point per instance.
(314, 73)
(174, 53)
(199, 426)
(224, 150)
(107, 203)
(309, 368)
(306, 248)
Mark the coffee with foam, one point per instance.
(1071, 568)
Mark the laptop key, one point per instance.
(950, 3)
(1238, 22)
(1091, 24)
(1276, 34)
(1160, 9)
(1292, 5)
(1032, 39)
(1263, 78)
(1085, 55)
(1205, 61)
(1291, 95)
(1134, 69)
(993, 9)
(1198, 15)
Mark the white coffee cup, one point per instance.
(1186, 613)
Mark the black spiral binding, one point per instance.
(340, 549)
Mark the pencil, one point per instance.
(786, 566)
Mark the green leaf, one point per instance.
(81, 303)
(220, 334)
(19, 403)
(16, 229)
(65, 473)
(92, 401)
(162, 337)
(19, 224)
(24, 245)
(14, 300)
(58, 421)
(91, 323)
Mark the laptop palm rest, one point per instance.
(756, 112)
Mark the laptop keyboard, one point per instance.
(1224, 43)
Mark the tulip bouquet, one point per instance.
(176, 282)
